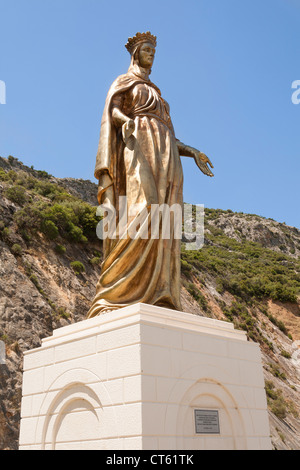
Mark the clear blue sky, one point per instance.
(225, 66)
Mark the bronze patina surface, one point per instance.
(139, 157)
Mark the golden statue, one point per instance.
(139, 157)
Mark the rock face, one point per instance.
(50, 264)
(269, 233)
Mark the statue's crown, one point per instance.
(138, 39)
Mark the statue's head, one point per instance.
(142, 49)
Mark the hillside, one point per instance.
(248, 272)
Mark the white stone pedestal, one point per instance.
(133, 378)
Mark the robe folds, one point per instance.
(147, 171)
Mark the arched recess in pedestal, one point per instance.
(72, 413)
(208, 387)
(210, 395)
(73, 417)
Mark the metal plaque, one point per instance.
(207, 422)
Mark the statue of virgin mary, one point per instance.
(139, 158)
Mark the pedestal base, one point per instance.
(144, 377)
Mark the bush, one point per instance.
(16, 249)
(285, 354)
(276, 402)
(77, 266)
(73, 219)
(16, 194)
(5, 233)
(75, 234)
(198, 296)
(274, 369)
(279, 324)
(60, 249)
(279, 408)
(35, 281)
(187, 268)
(49, 229)
(270, 390)
(95, 260)
(43, 174)
(3, 175)
(12, 175)
(11, 159)
(47, 189)
(62, 312)
(245, 269)
(25, 235)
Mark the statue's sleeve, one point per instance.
(107, 148)
(117, 105)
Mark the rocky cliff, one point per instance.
(247, 273)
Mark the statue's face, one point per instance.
(146, 55)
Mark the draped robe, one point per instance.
(147, 170)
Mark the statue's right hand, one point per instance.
(128, 129)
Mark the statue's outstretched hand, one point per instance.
(202, 161)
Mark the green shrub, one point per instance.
(279, 408)
(12, 175)
(73, 219)
(5, 233)
(60, 249)
(276, 402)
(215, 230)
(62, 312)
(274, 369)
(16, 194)
(77, 266)
(244, 319)
(48, 189)
(3, 175)
(187, 268)
(75, 234)
(95, 260)
(245, 269)
(49, 229)
(285, 354)
(198, 296)
(25, 235)
(16, 249)
(279, 324)
(43, 174)
(270, 390)
(35, 281)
